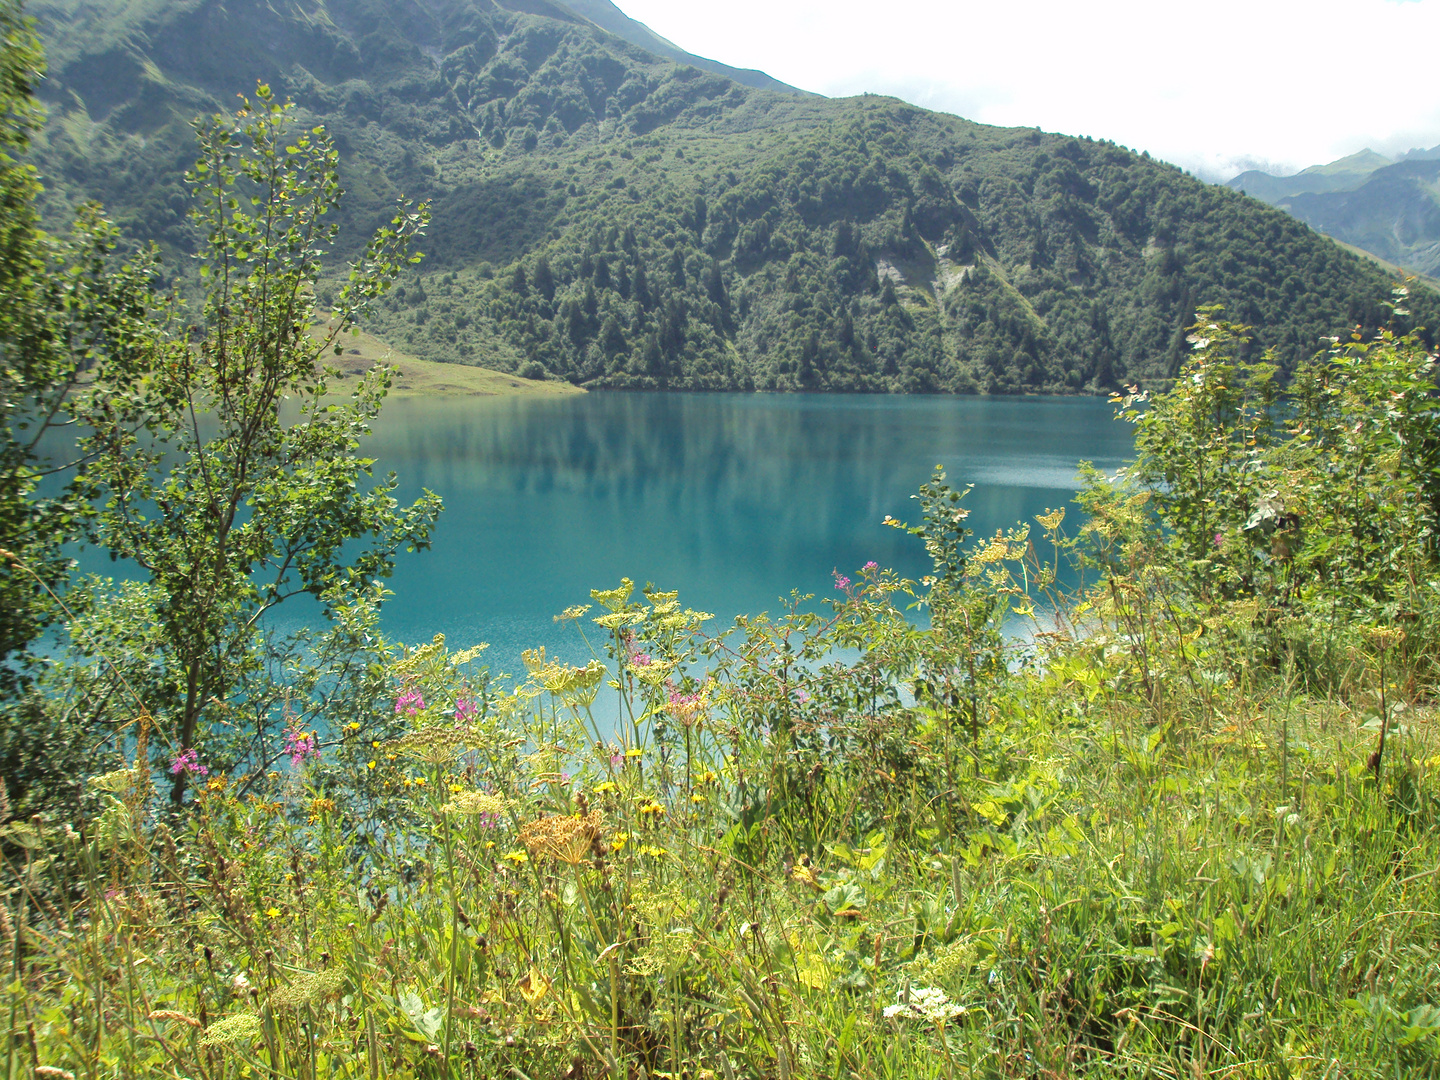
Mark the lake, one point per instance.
(733, 499)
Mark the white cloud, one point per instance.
(1214, 86)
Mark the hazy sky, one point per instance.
(1214, 86)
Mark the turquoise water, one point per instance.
(734, 500)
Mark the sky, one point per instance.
(1214, 87)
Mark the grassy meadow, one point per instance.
(427, 378)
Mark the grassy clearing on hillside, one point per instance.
(426, 378)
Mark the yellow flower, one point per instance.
(272, 912)
(697, 797)
(634, 751)
(707, 777)
(652, 808)
(533, 986)
(354, 725)
(617, 842)
(370, 764)
(653, 851)
(519, 858)
(608, 785)
(1051, 519)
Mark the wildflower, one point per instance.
(697, 797)
(519, 858)
(240, 984)
(652, 809)
(301, 745)
(409, 703)
(370, 764)
(617, 842)
(272, 913)
(634, 752)
(1219, 539)
(308, 988)
(707, 777)
(841, 581)
(616, 760)
(217, 783)
(606, 786)
(640, 659)
(802, 696)
(871, 566)
(50, 1072)
(319, 807)
(805, 874)
(686, 708)
(189, 763)
(652, 851)
(480, 804)
(565, 839)
(533, 986)
(925, 1003)
(1051, 519)
(465, 710)
(242, 1027)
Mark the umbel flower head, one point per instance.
(565, 839)
(476, 804)
(240, 1028)
(925, 1003)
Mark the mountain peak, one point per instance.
(611, 19)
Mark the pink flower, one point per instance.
(801, 695)
(871, 566)
(465, 710)
(189, 763)
(409, 703)
(841, 581)
(640, 659)
(300, 746)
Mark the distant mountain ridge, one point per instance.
(1389, 208)
(607, 215)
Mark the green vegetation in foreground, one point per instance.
(1185, 827)
(611, 219)
(426, 378)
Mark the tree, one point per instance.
(64, 306)
(224, 468)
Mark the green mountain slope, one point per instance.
(609, 217)
(1345, 174)
(1388, 209)
(608, 17)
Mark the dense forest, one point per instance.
(608, 217)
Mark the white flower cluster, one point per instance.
(925, 1003)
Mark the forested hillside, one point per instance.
(608, 217)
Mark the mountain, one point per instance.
(1389, 209)
(1343, 175)
(606, 215)
(608, 17)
